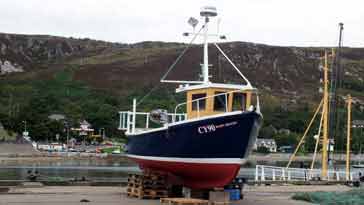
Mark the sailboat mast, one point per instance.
(325, 140)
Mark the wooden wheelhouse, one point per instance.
(211, 99)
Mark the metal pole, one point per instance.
(134, 115)
(147, 121)
(205, 54)
(348, 139)
(68, 133)
(128, 122)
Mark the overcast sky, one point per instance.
(276, 22)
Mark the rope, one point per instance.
(172, 66)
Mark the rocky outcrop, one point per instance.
(25, 52)
(8, 67)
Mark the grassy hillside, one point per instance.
(93, 80)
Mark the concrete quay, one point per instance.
(90, 195)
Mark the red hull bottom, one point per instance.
(194, 175)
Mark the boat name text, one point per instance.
(212, 128)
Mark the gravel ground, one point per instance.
(254, 195)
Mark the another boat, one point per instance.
(205, 146)
(358, 166)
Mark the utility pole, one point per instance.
(348, 139)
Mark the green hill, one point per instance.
(93, 80)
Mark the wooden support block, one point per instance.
(219, 197)
(183, 201)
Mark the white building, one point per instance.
(270, 144)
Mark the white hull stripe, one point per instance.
(191, 160)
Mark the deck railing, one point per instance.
(272, 173)
(128, 120)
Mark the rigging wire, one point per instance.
(172, 66)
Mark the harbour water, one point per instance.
(99, 170)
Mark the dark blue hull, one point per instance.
(229, 136)
(201, 153)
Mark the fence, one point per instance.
(272, 173)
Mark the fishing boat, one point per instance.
(360, 165)
(205, 145)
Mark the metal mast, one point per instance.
(348, 138)
(336, 83)
(206, 53)
(206, 12)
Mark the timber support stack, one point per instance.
(147, 186)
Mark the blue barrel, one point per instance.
(234, 194)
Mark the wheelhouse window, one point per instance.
(220, 101)
(239, 101)
(199, 104)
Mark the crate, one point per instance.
(146, 193)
